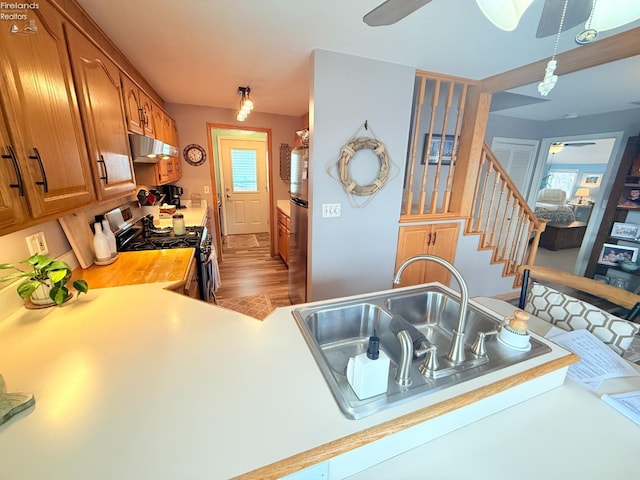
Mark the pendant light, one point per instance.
(246, 105)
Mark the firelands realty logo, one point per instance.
(18, 14)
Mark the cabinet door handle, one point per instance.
(141, 116)
(14, 161)
(44, 183)
(435, 235)
(429, 239)
(104, 166)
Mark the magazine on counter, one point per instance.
(626, 403)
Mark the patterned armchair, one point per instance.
(617, 330)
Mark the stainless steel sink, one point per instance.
(338, 330)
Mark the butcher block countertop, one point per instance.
(134, 268)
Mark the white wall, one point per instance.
(355, 253)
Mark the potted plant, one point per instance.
(45, 282)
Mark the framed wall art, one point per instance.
(434, 150)
(591, 180)
(611, 254)
(626, 231)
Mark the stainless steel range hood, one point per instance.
(150, 150)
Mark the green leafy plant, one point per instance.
(44, 271)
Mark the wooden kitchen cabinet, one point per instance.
(13, 205)
(439, 239)
(100, 98)
(159, 173)
(283, 236)
(42, 117)
(138, 109)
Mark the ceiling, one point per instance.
(199, 51)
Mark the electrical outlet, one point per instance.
(36, 243)
(330, 210)
(206, 189)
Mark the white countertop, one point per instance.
(285, 206)
(565, 433)
(142, 383)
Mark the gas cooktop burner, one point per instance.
(162, 239)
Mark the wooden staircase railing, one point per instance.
(502, 218)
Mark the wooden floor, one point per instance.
(252, 270)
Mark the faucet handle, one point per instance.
(430, 364)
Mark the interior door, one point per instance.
(517, 156)
(244, 185)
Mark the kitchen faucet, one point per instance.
(456, 351)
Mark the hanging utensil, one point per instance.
(142, 197)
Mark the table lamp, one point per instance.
(581, 193)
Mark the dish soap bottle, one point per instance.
(111, 238)
(368, 373)
(101, 244)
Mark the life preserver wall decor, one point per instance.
(386, 168)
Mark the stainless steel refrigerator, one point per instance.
(299, 225)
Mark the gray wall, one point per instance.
(355, 253)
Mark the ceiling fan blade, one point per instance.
(578, 144)
(392, 11)
(578, 12)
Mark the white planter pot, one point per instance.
(41, 296)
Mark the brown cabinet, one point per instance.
(283, 236)
(558, 236)
(13, 205)
(42, 117)
(138, 108)
(99, 95)
(440, 239)
(159, 173)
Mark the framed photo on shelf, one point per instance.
(611, 254)
(630, 198)
(626, 231)
(591, 180)
(434, 150)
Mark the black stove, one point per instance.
(159, 239)
(144, 236)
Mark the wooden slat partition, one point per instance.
(438, 114)
(495, 210)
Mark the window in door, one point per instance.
(244, 170)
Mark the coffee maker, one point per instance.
(173, 194)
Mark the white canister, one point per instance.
(178, 224)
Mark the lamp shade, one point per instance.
(504, 14)
(582, 192)
(556, 147)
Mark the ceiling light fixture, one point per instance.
(504, 14)
(246, 105)
(555, 148)
(549, 80)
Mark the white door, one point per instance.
(517, 156)
(244, 185)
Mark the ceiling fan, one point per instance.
(506, 14)
(573, 144)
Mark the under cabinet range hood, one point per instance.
(150, 150)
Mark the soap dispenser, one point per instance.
(106, 229)
(101, 245)
(368, 373)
